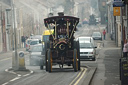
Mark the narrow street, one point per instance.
(107, 64)
(63, 42)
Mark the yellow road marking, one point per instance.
(5, 59)
(76, 76)
(77, 81)
(80, 77)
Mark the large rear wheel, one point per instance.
(75, 62)
(78, 54)
(49, 60)
(76, 46)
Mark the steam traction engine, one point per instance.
(62, 48)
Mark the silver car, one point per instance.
(36, 55)
(87, 51)
(97, 36)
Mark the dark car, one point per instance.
(97, 36)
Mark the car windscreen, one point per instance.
(34, 42)
(37, 37)
(83, 39)
(86, 45)
(37, 49)
(96, 34)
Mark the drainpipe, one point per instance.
(127, 20)
(121, 21)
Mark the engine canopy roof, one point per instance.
(61, 20)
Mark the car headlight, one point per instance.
(90, 52)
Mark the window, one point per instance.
(34, 42)
(86, 45)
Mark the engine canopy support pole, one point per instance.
(68, 29)
(55, 31)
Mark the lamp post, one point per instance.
(15, 64)
(1, 25)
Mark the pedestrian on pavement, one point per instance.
(125, 49)
(23, 41)
(104, 33)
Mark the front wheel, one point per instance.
(78, 54)
(76, 46)
(46, 62)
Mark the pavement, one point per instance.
(107, 72)
(89, 75)
(4, 55)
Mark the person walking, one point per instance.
(104, 33)
(125, 49)
(23, 41)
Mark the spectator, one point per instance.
(23, 41)
(125, 49)
(104, 33)
(26, 37)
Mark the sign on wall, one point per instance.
(116, 11)
(117, 0)
(118, 3)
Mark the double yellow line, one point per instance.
(79, 77)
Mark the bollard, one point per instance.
(15, 65)
(21, 61)
(13, 60)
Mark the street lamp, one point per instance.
(15, 64)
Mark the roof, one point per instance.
(59, 19)
(34, 39)
(96, 32)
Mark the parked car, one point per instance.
(83, 38)
(32, 43)
(39, 37)
(97, 20)
(36, 57)
(97, 36)
(36, 37)
(87, 51)
(27, 44)
(85, 22)
(79, 25)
